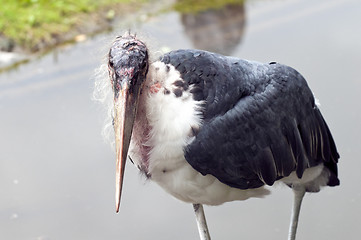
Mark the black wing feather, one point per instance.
(260, 120)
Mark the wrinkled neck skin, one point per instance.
(139, 147)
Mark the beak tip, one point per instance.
(117, 205)
(117, 201)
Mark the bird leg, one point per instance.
(299, 192)
(201, 222)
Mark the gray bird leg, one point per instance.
(299, 192)
(201, 222)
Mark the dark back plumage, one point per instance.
(264, 118)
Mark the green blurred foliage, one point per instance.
(29, 21)
(195, 6)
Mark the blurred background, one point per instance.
(56, 170)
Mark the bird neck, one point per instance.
(141, 134)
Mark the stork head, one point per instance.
(128, 66)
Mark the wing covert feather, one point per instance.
(260, 120)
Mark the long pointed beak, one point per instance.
(125, 105)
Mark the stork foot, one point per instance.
(201, 222)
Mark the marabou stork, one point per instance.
(211, 129)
